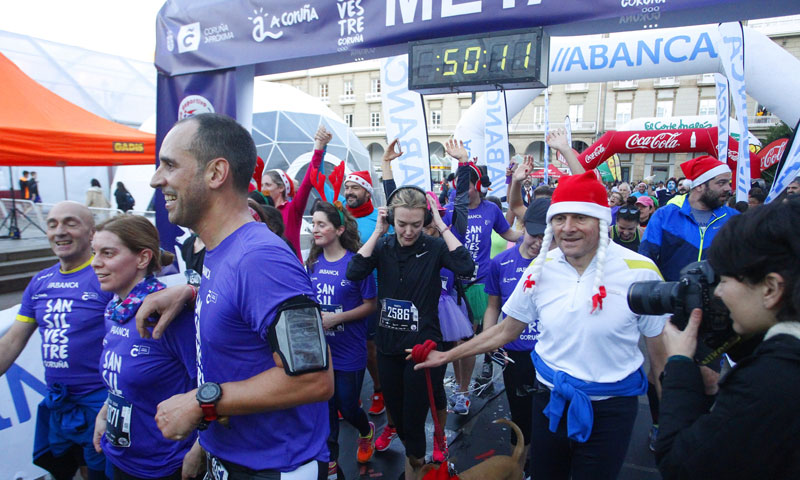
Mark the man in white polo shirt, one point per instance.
(587, 356)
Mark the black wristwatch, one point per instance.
(207, 396)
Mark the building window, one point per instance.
(538, 114)
(708, 106)
(323, 90)
(376, 85)
(664, 108)
(623, 113)
(348, 87)
(575, 114)
(348, 119)
(436, 119)
(374, 121)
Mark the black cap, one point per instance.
(536, 216)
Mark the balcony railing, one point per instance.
(369, 131)
(347, 98)
(626, 85)
(762, 121)
(325, 100)
(576, 87)
(706, 79)
(372, 97)
(666, 82)
(539, 127)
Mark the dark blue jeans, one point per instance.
(347, 390)
(554, 456)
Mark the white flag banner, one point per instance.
(723, 117)
(404, 116)
(495, 140)
(568, 129)
(732, 58)
(789, 171)
(546, 177)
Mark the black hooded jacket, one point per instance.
(753, 429)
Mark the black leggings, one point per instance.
(554, 456)
(519, 379)
(406, 395)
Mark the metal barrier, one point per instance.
(27, 213)
(35, 214)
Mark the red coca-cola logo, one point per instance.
(595, 153)
(772, 156)
(662, 141)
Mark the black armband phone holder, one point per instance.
(297, 336)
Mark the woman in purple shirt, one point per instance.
(139, 373)
(345, 305)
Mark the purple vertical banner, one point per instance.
(180, 97)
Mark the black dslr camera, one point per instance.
(695, 289)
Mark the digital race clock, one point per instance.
(507, 60)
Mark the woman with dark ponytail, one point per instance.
(346, 305)
(140, 373)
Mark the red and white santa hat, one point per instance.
(582, 194)
(702, 169)
(578, 194)
(288, 183)
(362, 178)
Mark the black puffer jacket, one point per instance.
(753, 429)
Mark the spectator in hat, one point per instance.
(646, 208)
(682, 231)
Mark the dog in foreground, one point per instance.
(498, 467)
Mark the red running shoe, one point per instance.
(385, 439)
(378, 406)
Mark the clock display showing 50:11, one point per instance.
(473, 58)
(478, 62)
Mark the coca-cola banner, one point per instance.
(772, 153)
(660, 141)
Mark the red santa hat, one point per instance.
(702, 169)
(581, 194)
(285, 179)
(362, 178)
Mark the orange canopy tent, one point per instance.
(39, 128)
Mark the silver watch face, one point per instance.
(209, 392)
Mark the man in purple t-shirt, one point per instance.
(273, 414)
(483, 218)
(66, 304)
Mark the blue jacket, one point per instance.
(674, 239)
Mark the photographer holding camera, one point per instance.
(753, 430)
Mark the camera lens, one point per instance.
(652, 298)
